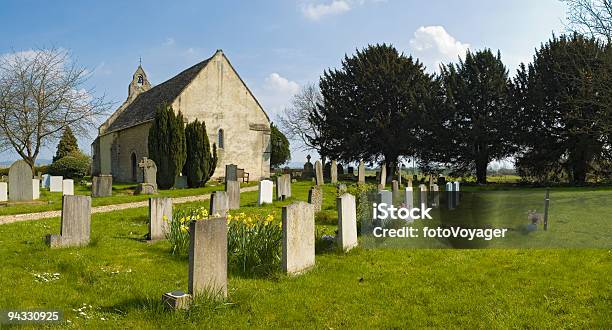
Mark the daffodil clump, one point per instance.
(177, 230)
(254, 241)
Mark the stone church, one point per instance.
(211, 91)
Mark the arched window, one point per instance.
(221, 141)
(134, 168)
(140, 80)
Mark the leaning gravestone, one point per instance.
(102, 186)
(315, 198)
(20, 182)
(232, 188)
(219, 204)
(298, 238)
(318, 173)
(149, 174)
(361, 172)
(160, 215)
(76, 218)
(3, 191)
(55, 183)
(347, 222)
(208, 258)
(265, 192)
(68, 187)
(334, 172)
(231, 172)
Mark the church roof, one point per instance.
(142, 109)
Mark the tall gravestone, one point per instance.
(399, 174)
(3, 191)
(56, 183)
(20, 182)
(35, 188)
(315, 197)
(318, 173)
(68, 187)
(232, 188)
(231, 172)
(450, 195)
(76, 219)
(160, 216)
(265, 192)
(423, 194)
(408, 198)
(347, 222)
(383, 176)
(384, 197)
(298, 240)
(361, 172)
(435, 195)
(102, 186)
(283, 186)
(149, 174)
(219, 204)
(395, 188)
(208, 258)
(334, 172)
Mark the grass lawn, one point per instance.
(122, 278)
(122, 193)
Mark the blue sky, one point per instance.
(276, 46)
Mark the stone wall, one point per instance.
(116, 151)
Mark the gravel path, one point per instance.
(107, 208)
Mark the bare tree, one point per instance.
(42, 93)
(590, 17)
(295, 122)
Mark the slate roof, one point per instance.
(142, 109)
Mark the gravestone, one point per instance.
(326, 171)
(315, 198)
(231, 172)
(76, 219)
(20, 182)
(334, 172)
(56, 183)
(219, 204)
(208, 258)
(35, 188)
(409, 198)
(341, 189)
(102, 186)
(68, 187)
(283, 187)
(409, 184)
(318, 173)
(46, 181)
(383, 175)
(265, 192)
(308, 171)
(423, 194)
(351, 171)
(395, 187)
(384, 197)
(149, 174)
(180, 182)
(436, 196)
(361, 172)
(457, 193)
(159, 207)
(450, 196)
(441, 181)
(232, 188)
(347, 222)
(399, 174)
(298, 242)
(3, 191)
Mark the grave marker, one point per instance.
(76, 219)
(20, 182)
(265, 192)
(3, 191)
(318, 173)
(56, 183)
(35, 188)
(361, 172)
(298, 238)
(231, 172)
(68, 187)
(102, 186)
(347, 222)
(159, 207)
(232, 188)
(219, 204)
(334, 172)
(208, 258)
(315, 198)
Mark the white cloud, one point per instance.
(317, 11)
(434, 46)
(276, 93)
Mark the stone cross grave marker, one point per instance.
(20, 182)
(160, 216)
(265, 192)
(347, 222)
(76, 219)
(298, 238)
(232, 188)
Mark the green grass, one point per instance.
(122, 278)
(122, 193)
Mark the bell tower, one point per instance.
(139, 84)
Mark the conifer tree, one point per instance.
(167, 146)
(199, 158)
(67, 145)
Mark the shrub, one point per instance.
(74, 166)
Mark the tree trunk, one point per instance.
(481, 170)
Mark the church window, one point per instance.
(221, 139)
(140, 79)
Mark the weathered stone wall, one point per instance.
(131, 140)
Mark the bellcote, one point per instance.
(139, 84)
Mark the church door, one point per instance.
(134, 168)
